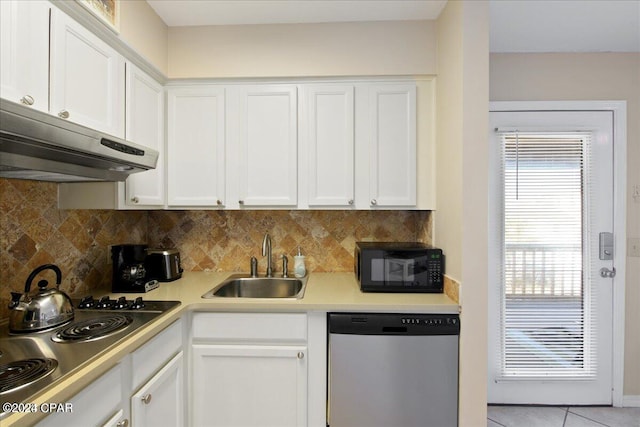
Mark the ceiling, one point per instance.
(516, 25)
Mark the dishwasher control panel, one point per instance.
(394, 324)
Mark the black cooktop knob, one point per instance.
(121, 304)
(87, 302)
(138, 304)
(105, 303)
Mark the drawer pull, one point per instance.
(300, 355)
(64, 114)
(27, 100)
(146, 398)
(123, 423)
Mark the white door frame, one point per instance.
(619, 109)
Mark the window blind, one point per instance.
(547, 306)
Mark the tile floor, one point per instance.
(562, 416)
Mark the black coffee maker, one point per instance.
(129, 272)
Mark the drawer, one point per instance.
(94, 405)
(154, 354)
(254, 327)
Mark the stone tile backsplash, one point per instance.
(226, 240)
(34, 232)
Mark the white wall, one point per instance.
(144, 31)
(462, 179)
(285, 50)
(593, 76)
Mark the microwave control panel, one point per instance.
(434, 267)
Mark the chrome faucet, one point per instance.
(266, 251)
(285, 266)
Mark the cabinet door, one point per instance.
(118, 420)
(145, 125)
(87, 77)
(24, 52)
(160, 401)
(329, 141)
(94, 405)
(267, 160)
(392, 145)
(195, 146)
(249, 385)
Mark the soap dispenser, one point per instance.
(299, 269)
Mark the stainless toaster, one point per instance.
(163, 264)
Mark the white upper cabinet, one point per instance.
(328, 142)
(24, 52)
(267, 146)
(196, 146)
(145, 126)
(86, 77)
(391, 138)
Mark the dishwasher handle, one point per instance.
(393, 324)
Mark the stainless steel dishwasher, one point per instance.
(397, 370)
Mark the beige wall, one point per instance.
(145, 32)
(331, 49)
(460, 224)
(596, 76)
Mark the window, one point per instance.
(546, 309)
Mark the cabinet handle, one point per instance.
(219, 202)
(300, 355)
(350, 201)
(27, 100)
(374, 202)
(123, 423)
(146, 398)
(241, 202)
(135, 199)
(64, 114)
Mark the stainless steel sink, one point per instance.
(244, 286)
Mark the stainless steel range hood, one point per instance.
(39, 146)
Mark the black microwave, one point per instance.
(398, 267)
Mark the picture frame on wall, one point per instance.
(108, 11)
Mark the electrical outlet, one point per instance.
(633, 246)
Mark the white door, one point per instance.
(24, 52)
(392, 145)
(329, 142)
(145, 126)
(550, 321)
(249, 385)
(267, 158)
(87, 77)
(196, 146)
(160, 401)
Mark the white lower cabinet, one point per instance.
(96, 405)
(118, 420)
(160, 401)
(249, 369)
(145, 389)
(249, 385)
(157, 397)
(244, 369)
